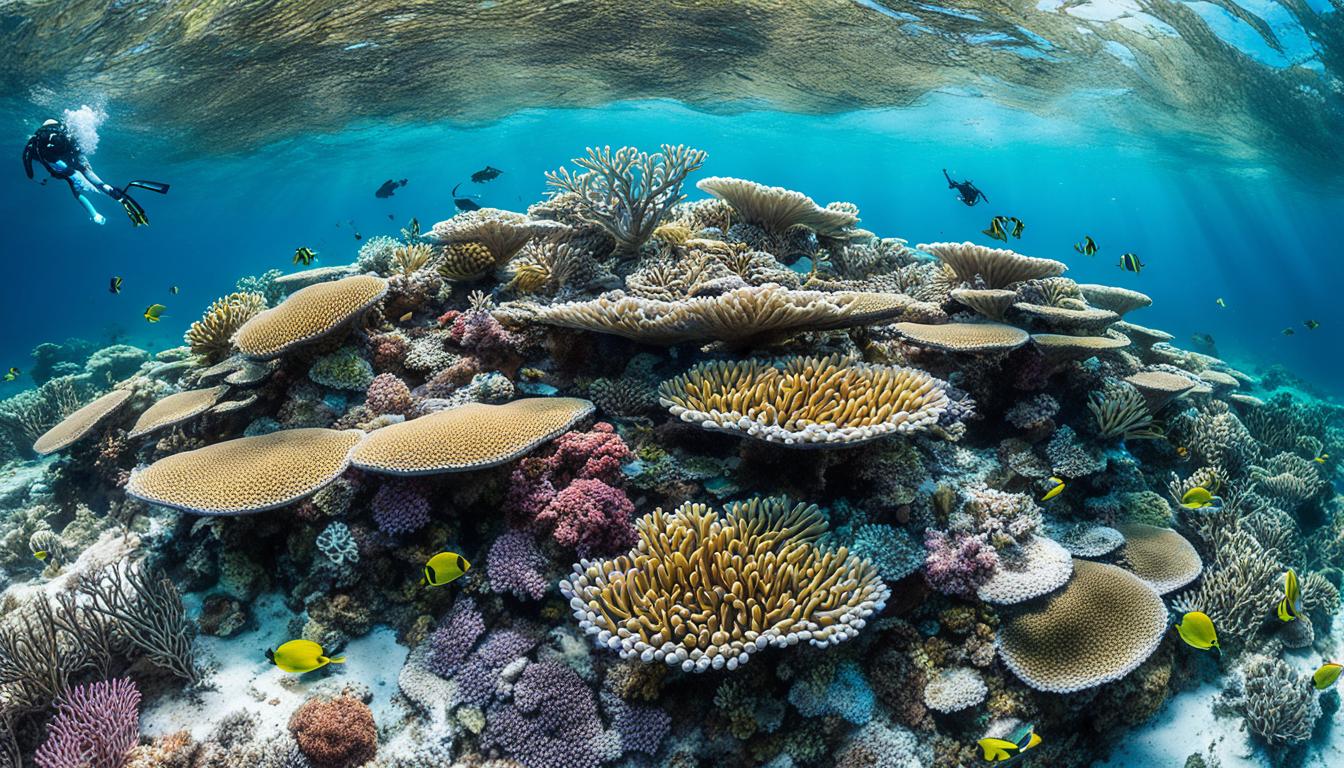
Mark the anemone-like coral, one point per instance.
(773, 584)
(95, 725)
(1122, 412)
(211, 337)
(1278, 703)
(806, 401)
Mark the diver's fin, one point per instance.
(134, 210)
(152, 186)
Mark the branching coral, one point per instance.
(211, 337)
(762, 580)
(95, 726)
(806, 401)
(148, 611)
(1239, 585)
(627, 192)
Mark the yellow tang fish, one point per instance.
(1005, 750)
(300, 656)
(40, 554)
(12, 374)
(1088, 247)
(1198, 498)
(1196, 629)
(444, 568)
(304, 256)
(1290, 607)
(1326, 676)
(153, 312)
(1324, 457)
(1057, 487)
(1130, 263)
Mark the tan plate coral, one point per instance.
(963, 337)
(175, 409)
(471, 436)
(806, 402)
(79, 424)
(247, 475)
(308, 314)
(1160, 556)
(775, 209)
(704, 591)
(994, 267)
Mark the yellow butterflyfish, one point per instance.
(1198, 497)
(1326, 675)
(444, 568)
(1290, 607)
(1057, 486)
(997, 750)
(1196, 629)
(300, 656)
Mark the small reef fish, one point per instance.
(405, 317)
(1326, 675)
(389, 188)
(1007, 750)
(1182, 451)
(172, 289)
(12, 374)
(1196, 629)
(1057, 487)
(1088, 247)
(1288, 332)
(1018, 226)
(114, 286)
(1221, 303)
(1324, 457)
(1290, 607)
(996, 229)
(153, 312)
(41, 554)
(1198, 497)
(304, 256)
(444, 568)
(358, 236)
(488, 173)
(464, 203)
(414, 229)
(300, 656)
(1311, 324)
(1130, 263)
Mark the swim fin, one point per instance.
(134, 210)
(152, 186)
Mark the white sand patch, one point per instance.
(245, 680)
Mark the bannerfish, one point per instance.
(1056, 487)
(153, 312)
(1005, 750)
(1018, 226)
(1326, 675)
(1130, 263)
(12, 374)
(1288, 332)
(304, 255)
(444, 568)
(115, 285)
(1196, 629)
(1182, 451)
(465, 203)
(300, 656)
(358, 236)
(1311, 324)
(173, 289)
(389, 188)
(488, 173)
(1290, 606)
(1088, 247)
(1221, 303)
(1324, 457)
(996, 230)
(1198, 497)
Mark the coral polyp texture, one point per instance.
(1121, 301)
(963, 337)
(247, 474)
(994, 268)
(175, 409)
(1160, 556)
(80, 423)
(704, 590)
(1100, 627)
(470, 436)
(740, 315)
(806, 401)
(1060, 347)
(308, 314)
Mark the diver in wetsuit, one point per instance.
(54, 148)
(966, 190)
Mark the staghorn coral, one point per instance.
(802, 592)
(627, 192)
(806, 401)
(211, 337)
(95, 726)
(1289, 479)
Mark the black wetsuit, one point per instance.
(967, 191)
(52, 147)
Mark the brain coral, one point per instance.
(953, 690)
(246, 475)
(335, 733)
(80, 423)
(806, 401)
(1099, 628)
(704, 590)
(739, 315)
(307, 314)
(470, 436)
(995, 267)
(175, 409)
(1159, 556)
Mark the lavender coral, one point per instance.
(515, 566)
(95, 726)
(552, 721)
(400, 506)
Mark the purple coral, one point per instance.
(590, 517)
(477, 331)
(641, 728)
(95, 726)
(516, 565)
(957, 564)
(388, 394)
(597, 454)
(400, 506)
(552, 721)
(478, 678)
(456, 635)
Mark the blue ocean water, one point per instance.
(1263, 240)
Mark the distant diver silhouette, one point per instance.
(966, 190)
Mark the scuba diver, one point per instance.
(966, 190)
(53, 147)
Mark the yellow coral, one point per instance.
(465, 261)
(211, 337)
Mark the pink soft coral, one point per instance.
(957, 564)
(388, 394)
(590, 516)
(596, 454)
